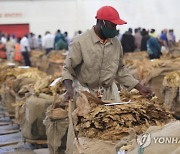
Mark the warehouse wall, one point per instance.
(72, 15)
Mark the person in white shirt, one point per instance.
(3, 38)
(25, 49)
(48, 42)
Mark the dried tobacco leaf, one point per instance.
(114, 122)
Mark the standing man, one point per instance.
(153, 48)
(48, 42)
(95, 63)
(25, 49)
(95, 60)
(137, 39)
(128, 42)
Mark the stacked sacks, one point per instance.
(152, 72)
(36, 106)
(171, 91)
(39, 60)
(23, 88)
(94, 119)
(175, 50)
(8, 75)
(146, 69)
(55, 61)
(7, 95)
(50, 63)
(57, 122)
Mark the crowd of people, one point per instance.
(147, 40)
(15, 48)
(12, 47)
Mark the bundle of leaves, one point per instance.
(96, 119)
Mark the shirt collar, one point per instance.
(96, 38)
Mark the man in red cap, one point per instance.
(95, 60)
(95, 63)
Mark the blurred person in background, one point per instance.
(3, 38)
(39, 42)
(77, 33)
(13, 38)
(171, 38)
(66, 36)
(25, 49)
(2, 50)
(61, 45)
(127, 41)
(32, 41)
(10, 46)
(58, 39)
(173, 35)
(153, 48)
(137, 39)
(17, 53)
(153, 33)
(145, 37)
(164, 39)
(61, 42)
(48, 42)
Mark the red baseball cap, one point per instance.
(110, 14)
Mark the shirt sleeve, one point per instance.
(123, 76)
(73, 59)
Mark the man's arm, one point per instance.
(73, 59)
(123, 75)
(128, 81)
(146, 91)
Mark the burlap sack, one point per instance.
(56, 123)
(91, 146)
(56, 132)
(43, 63)
(171, 92)
(8, 99)
(54, 67)
(35, 108)
(35, 57)
(83, 145)
(76, 143)
(20, 83)
(156, 85)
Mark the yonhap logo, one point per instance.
(144, 140)
(167, 140)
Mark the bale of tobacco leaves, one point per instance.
(96, 119)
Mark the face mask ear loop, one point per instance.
(104, 23)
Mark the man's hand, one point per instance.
(146, 91)
(69, 94)
(70, 90)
